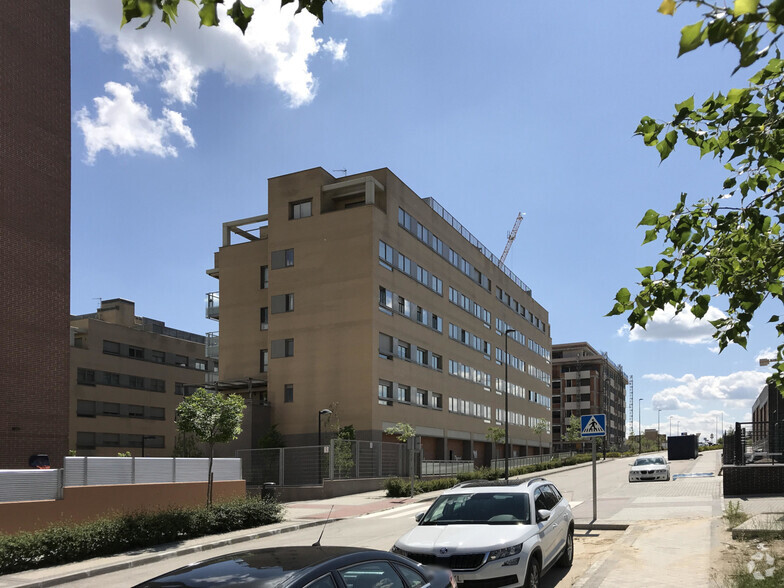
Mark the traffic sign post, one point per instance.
(593, 426)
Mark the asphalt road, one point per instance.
(618, 500)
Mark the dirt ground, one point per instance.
(589, 546)
(734, 554)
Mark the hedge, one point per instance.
(399, 487)
(63, 543)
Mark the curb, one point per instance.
(147, 559)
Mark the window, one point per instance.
(289, 348)
(282, 258)
(422, 356)
(110, 439)
(384, 390)
(436, 362)
(385, 346)
(135, 352)
(200, 364)
(85, 376)
(403, 264)
(158, 356)
(403, 393)
(264, 318)
(288, 393)
(421, 397)
(386, 254)
(376, 573)
(438, 401)
(111, 348)
(85, 440)
(85, 408)
(436, 323)
(282, 303)
(264, 271)
(179, 389)
(282, 348)
(181, 360)
(403, 350)
(157, 413)
(136, 382)
(264, 361)
(301, 209)
(135, 411)
(324, 581)
(111, 409)
(384, 298)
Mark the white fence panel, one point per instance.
(94, 471)
(151, 470)
(23, 485)
(191, 469)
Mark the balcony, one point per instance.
(211, 347)
(213, 306)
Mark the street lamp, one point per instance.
(321, 412)
(639, 423)
(506, 404)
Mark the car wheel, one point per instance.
(533, 575)
(565, 561)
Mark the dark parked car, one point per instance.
(307, 567)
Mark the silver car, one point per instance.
(654, 467)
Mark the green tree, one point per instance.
(724, 248)
(574, 432)
(240, 13)
(186, 445)
(403, 431)
(539, 428)
(212, 418)
(344, 454)
(272, 439)
(495, 435)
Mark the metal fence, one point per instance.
(22, 485)
(342, 459)
(754, 442)
(515, 462)
(95, 471)
(446, 467)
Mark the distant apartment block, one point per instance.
(586, 381)
(357, 295)
(128, 374)
(35, 225)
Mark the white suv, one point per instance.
(492, 534)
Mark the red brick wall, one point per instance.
(35, 185)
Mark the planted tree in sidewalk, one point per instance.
(495, 435)
(404, 432)
(574, 432)
(213, 418)
(539, 428)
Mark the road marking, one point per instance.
(698, 475)
(400, 511)
(576, 503)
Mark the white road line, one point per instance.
(576, 503)
(400, 511)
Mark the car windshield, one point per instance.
(648, 461)
(497, 508)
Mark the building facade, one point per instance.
(128, 374)
(35, 224)
(357, 296)
(586, 381)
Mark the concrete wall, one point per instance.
(84, 503)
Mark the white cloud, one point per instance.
(682, 328)
(734, 390)
(362, 8)
(336, 48)
(659, 377)
(767, 353)
(122, 125)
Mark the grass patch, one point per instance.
(758, 565)
(734, 515)
(63, 543)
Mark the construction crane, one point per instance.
(512, 236)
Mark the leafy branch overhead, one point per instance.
(726, 246)
(239, 13)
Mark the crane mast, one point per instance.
(512, 236)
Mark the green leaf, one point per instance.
(623, 296)
(745, 7)
(692, 37)
(665, 147)
(650, 235)
(240, 14)
(650, 219)
(667, 7)
(774, 319)
(209, 13)
(645, 271)
(775, 288)
(776, 10)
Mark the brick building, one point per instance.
(35, 184)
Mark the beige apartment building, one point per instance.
(586, 381)
(356, 295)
(128, 374)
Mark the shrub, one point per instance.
(60, 544)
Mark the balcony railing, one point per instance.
(211, 347)
(213, 305)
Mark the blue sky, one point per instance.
(490, 108)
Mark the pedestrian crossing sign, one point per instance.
(593, 425)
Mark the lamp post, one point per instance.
(506, 404)
(639, 421)
(144, 438)
(320, 449)
(658, 426)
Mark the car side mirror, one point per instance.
(542, 515)
(419, 516)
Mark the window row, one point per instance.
(390, 258)
(514, 389)
(533, 421)
(502, 326)
(510, 360)
(181, 389)
(467, 338)
(411, 225)
(469, 408)
(538, 349)
(90, 440)
(515, 418)
(540, 399)
(387, 300)
(520, 309)
(458, 298)
(466, 372)
(389, 346)
(153, 355)
(282, 258)
(88, 377)
(389, 392)
(93, 408)
(539, 374)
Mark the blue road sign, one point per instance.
(593, 425)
